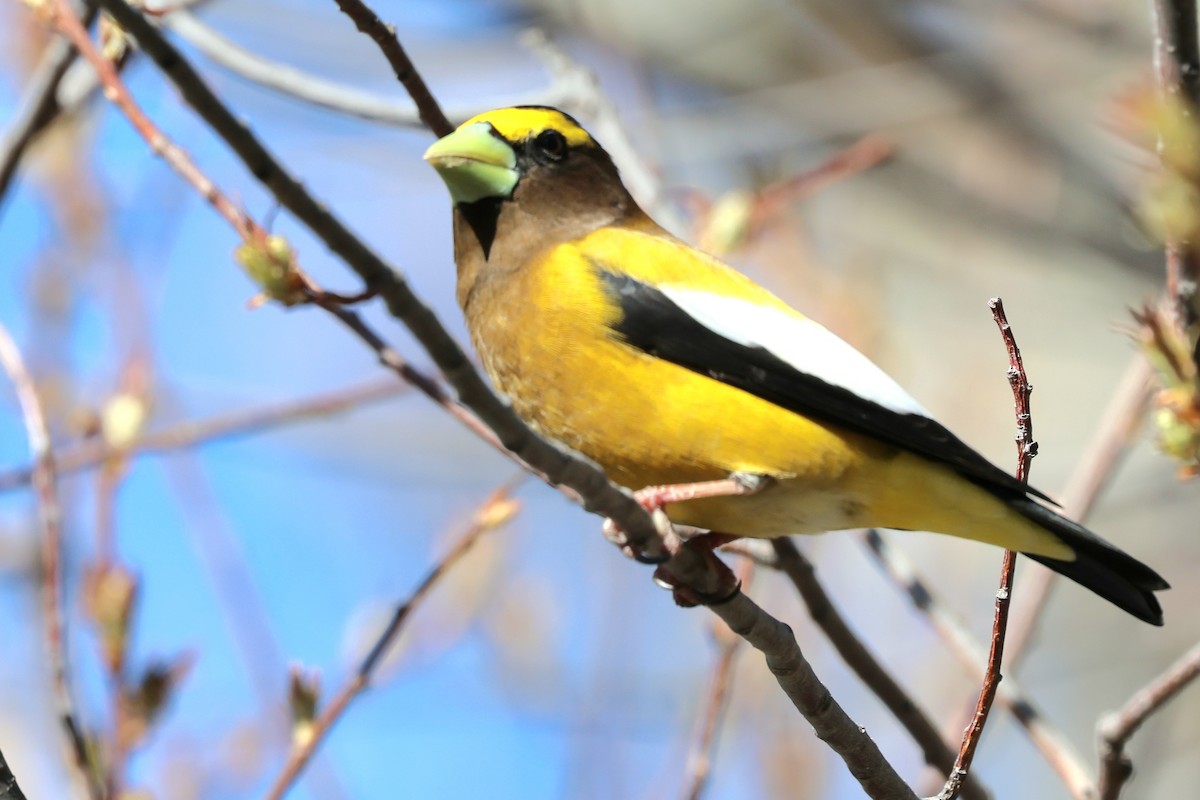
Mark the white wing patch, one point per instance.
(800, 342)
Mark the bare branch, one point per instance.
(936, 752)
(384, 36)
(9, 789)
(45, 483)
(703, 749)
(1110, 443)
(795, 675)
(1116, 729)
(1026, 450)
(186, 435)
(1051, 743)
(495, 511)
(1177, 64)
(38, 107)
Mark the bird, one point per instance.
(666, 366)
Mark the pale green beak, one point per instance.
(474, 163)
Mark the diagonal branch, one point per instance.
(860, 659)
(1050, 742)
(38, 108)
(1116, 729)
(9, 788)
(384, 35)
(45, 484)
(700, 757)
(495, 511)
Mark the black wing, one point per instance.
(656, 325)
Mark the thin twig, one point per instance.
(187, 435)
(936, 752)
(9, 788)
(1026, 450)
(384, 36)
(703, 750)
(38, 108)
(484, 520)
(68, 23)
(1177, 68)
(1116, 729)
(1050, 742)
(1109, 444)
(45, 482)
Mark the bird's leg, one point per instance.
(654, 498)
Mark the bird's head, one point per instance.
(536, 158)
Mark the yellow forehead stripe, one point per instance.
(519, 124)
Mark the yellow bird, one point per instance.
(667, 366)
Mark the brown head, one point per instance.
(525, 179)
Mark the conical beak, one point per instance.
(474, 163)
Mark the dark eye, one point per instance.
(550, 145)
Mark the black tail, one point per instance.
(1114, 575)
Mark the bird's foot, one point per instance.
(728, 586)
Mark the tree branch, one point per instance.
(495, 511)
(703, 749)
(38, 108)
(1026, 450)
(1051, 743)
(185, 435)
(384, 35)
(795, 676)
(1116, 729)
(9, 789)
(45, 484)
(825, 614)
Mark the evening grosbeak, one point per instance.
(666, 366)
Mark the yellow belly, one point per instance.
(545, 336)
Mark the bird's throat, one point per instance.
(481, 216)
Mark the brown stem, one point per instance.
(1177, 67)
(878, 679)
(484, 520)
(1116, 729)
(45, 484)
(1026, 450)
(186, 435)
(703, 749)
(384, 35)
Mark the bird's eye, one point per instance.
(550, 145)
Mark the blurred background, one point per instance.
(546, 665)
